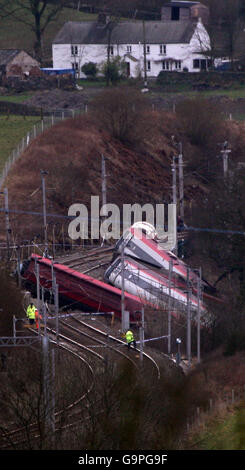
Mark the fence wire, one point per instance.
(45, 123)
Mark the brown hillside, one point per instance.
(71, 153)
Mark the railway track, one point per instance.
(14, 438)
(114, 344)
(83, 341)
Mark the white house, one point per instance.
(169, 45)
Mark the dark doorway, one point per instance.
(175, 14)
(128, 69)
(203, 64)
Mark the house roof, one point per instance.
(6, 55)
(183, 4)
(156, 32)
(180, 4)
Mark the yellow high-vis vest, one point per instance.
(30, 313)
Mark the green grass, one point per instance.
(223, 433)
(12, 130)
(19, 98)
(237, 90)
(233, 93)
(86, 83)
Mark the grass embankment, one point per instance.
(12, 130)
(19, 98)
(223, 432)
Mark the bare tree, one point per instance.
(36, 14)
(225, 27)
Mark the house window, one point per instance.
(163, 49)
(175, 14)
(202, 64)
(74, 66)
(74, 50)
(165, 65)
(177, 64)
(148, 49)
(148, 65)
(196, 64)
(129, 49)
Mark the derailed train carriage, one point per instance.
(146, 278)
(80, 289)
(137, 245)
(148, 284)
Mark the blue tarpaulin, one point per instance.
(51, 71)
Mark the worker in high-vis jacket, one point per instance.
(31, 313)
(130, 339)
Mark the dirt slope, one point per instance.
(71, 153)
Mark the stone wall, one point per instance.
(34, 83)
(201, 80)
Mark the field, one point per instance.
(12, 129)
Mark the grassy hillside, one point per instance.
(224, 432)
(12, 130)
(221, 428)
(17, 35)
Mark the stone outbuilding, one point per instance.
(16, 62)
(184, 11)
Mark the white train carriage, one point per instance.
(151, 286)
(138, 245)
(144, 247)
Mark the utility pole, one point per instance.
(188, 340)
(174, 194)
(169, 304)
(44, 313)
(43, 174)
(144, 48)
(103, 190)
(181, 182)
(142, 334)
(53, 393)
(18, 267)
(7, 225)
(143, 322)
(199, 290)
(225, 154)
(103, 177)
(122, 293)
(178, 355)
(46, 380)
(48, 386)
(56, 303)
(37, 272)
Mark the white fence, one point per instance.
(37, 129)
